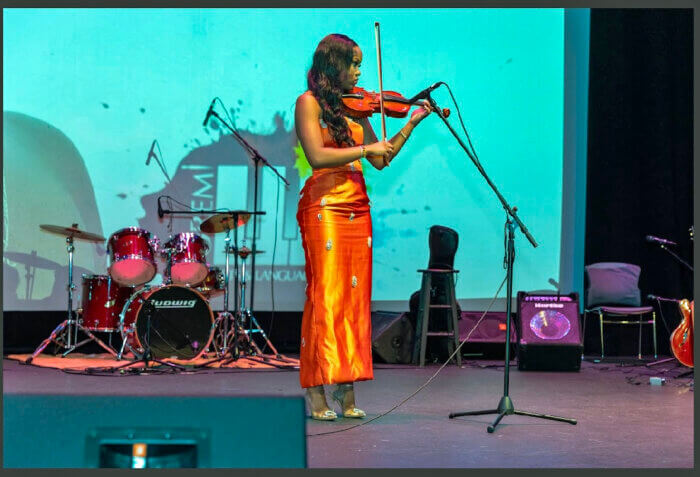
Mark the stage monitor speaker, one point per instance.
(392, 337)
(549, 332)
(492, 329)
(74, 431)
(488, 338)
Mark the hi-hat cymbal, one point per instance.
(243, 252)
(72, 231)
(223, 222)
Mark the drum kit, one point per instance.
(171, 320)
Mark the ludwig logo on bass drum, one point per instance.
(174, 303)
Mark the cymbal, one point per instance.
(243, 252)
(72, 231)
(223, 222)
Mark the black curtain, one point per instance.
(640, 152)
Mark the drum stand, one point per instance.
(65, 334)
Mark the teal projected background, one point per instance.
(87, 91)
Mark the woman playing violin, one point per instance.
(336, 228)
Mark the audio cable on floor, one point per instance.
(429, 379)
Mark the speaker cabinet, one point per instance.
(549, 332)
(74, 431)
(392, 337)
(488, 338)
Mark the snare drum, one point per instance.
(180, 318)
(102, 301)
(132, 256)
(187, 258)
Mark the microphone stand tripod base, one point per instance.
(146, 360)
(505, 405)
(506, 408)
(145, 356)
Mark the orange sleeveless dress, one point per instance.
(336, 232)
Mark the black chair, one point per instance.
(613, 294)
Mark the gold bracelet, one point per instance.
(405, 138)
(363, 151)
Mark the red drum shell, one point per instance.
(102, 301)
(188, 260)
(132, 256)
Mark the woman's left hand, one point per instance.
(421, 113)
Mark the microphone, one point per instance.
(660, 298)
(160, 209)
(651, 238)
(151, 153)
(209, 111)
(424, 94)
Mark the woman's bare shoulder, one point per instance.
(308, 102)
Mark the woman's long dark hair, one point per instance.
(332, 58)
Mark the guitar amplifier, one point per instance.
(549, 332)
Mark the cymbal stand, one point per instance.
(225, 317)
(245, 314)
(222, 319)
(65, 334)
(237, 331)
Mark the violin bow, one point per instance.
(381, 87)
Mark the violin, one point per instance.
(360, 103)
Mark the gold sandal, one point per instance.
(343, 394)
(316, 398)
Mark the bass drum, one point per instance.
(181, 322)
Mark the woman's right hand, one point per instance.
(381, 148)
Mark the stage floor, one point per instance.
(623, 421)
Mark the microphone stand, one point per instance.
(257, 159)
(674, 255)
(660, 299)
(505, 406)
(146, 356)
